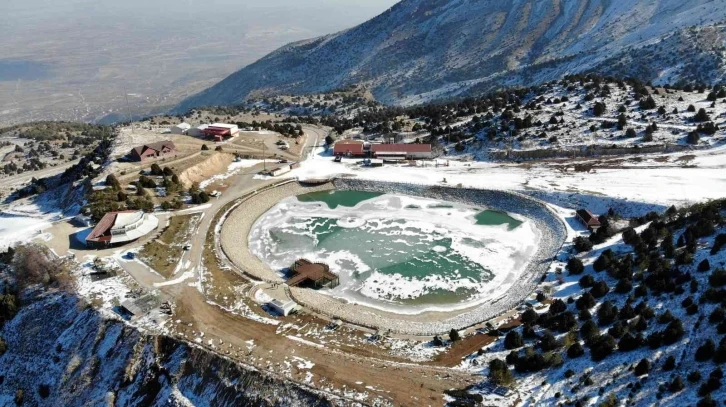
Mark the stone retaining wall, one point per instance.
(236, 227)
(553, 236)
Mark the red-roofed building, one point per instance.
(121, 227)
(349, 149)
(402, 151)
(152, 150)
(588, 219)
(220, 131)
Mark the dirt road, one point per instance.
(401, 384)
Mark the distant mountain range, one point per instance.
(422, 50)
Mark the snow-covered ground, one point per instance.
(641, 187)
(233, 169)
(16, 229)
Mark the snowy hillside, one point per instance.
(80, 357)
(420, 50)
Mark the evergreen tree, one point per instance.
(582, 244)
(598, 109)
(586, 282)
(673, 332)
(113, 182)
(622, 120)
(599, 289)
(602, 262)
(575, 266)
(156, 170)
(529, 316)
(513, 340)
(601, 347)
(693, 137)
(607, 313)
(499, 373)
(647, 103)
(676, 385)
(575, 351)
(701, 116)
(624, 286)
(642, 368)
(669, 364)
(588, 331)
(706, 401)
(548, 342)
(705, 351)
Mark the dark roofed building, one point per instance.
(152, 150)
(588, 219)
(312, 275)
(349, 148)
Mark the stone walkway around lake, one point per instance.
(237, 226)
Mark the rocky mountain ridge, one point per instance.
(423, 50)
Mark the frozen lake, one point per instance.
(397, 252)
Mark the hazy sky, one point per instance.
(75, 58)
(259, 26)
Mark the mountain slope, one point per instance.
(426, 49)
(61, 352)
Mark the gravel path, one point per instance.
(238, 225)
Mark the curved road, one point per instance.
(344, 367)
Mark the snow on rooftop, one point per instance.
(224, 126)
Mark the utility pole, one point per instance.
(128, 108)
(264, 161)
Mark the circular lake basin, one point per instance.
(396, 252)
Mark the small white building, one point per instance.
(181, 128)
(197, 131)
(232, 128)
(282, 308)
(280, 170)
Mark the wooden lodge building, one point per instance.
(312, 275)
(152, 150)
(588, 219)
